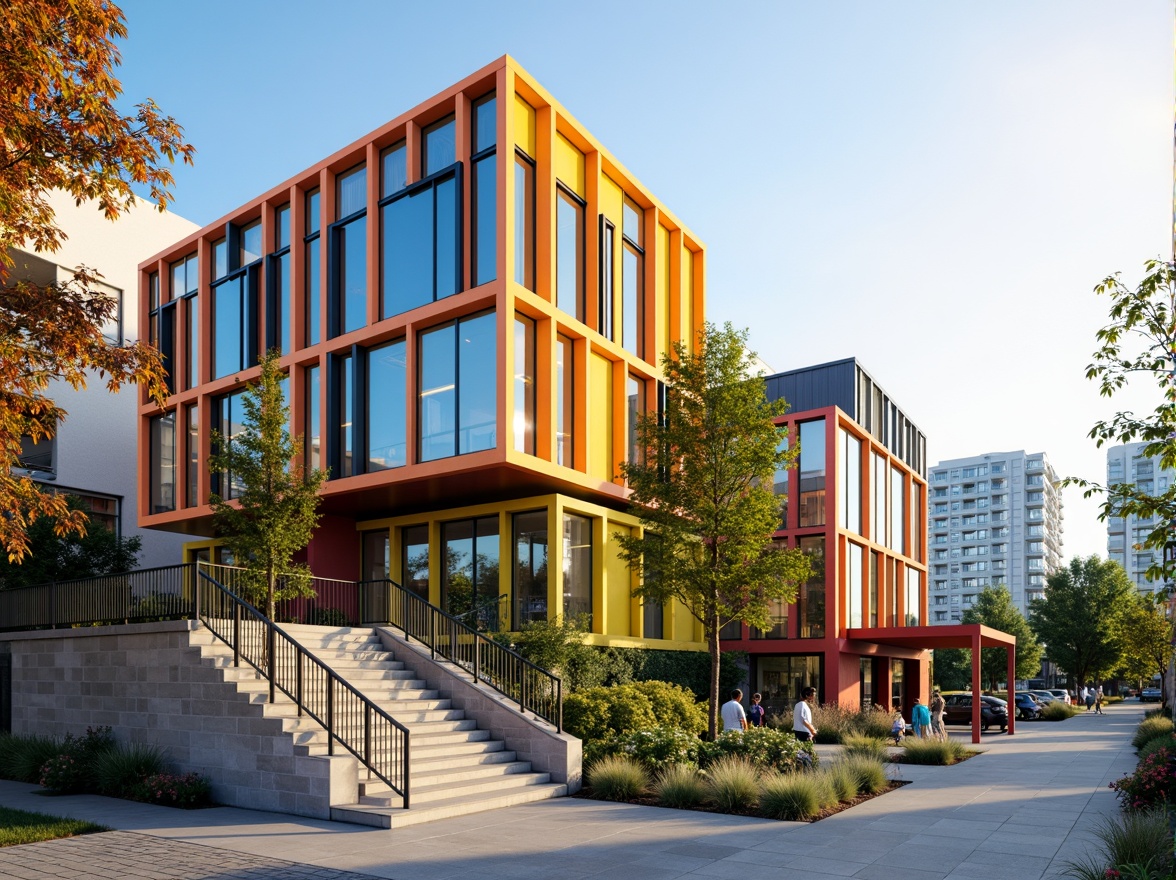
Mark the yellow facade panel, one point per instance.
(569, 165)
(524, 126)
(618, 585)
(612, 198)
(689, 337)
(600, 426)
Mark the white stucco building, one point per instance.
(1128, 464)
(93, 454)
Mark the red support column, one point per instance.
(976, 688)
(1011, 653)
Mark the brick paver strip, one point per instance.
(122, 855)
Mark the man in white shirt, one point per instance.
(802, 716)
(734, 718)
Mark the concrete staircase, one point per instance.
(455, 767)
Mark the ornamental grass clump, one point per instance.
(793, 797)
(873, 722)
(733, 783)
(617, 778)
(1153, 784)
(842, 781)
(1151, 728)
(23, 757)
(118, 771)
(1057, 711)
(941, 752)
(870, 746)
(1135, 845)
(680, 786)
(869, 772)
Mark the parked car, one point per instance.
(1061, 694)
(1028, 708)
(958, 710)
(1044, 696)
(1151, 695)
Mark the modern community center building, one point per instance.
(471, 304)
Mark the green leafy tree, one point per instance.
(702, 489)
(1081, 617)
(994, 607)
(1147, 640)
(56, 557)
(1139, 342)
(275, 513)
(952, 668)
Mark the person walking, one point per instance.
(920, 720)
(802, 716)
(755, 715)
(734, 718)
(938, 706)
(1098, 701)
(1089, 698)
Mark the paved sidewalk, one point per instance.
(1017, 812)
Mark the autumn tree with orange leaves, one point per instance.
(60, 129)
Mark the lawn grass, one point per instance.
(20, 826)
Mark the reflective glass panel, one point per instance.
(853, 585)
(387, 406)
(163, 463)
(251, 243)
(282, 227)
(346, 431)
(438, 397)
(353, 273)
(312, 212)
(220, 259)
(440, 146)
(632, 300)
(445, 239)
(478, 378)
(408, 253)
(523, 427)
(812, 473)
(564, 412)
(312, 429)
(415, 563)
(281, 267)
(192, 322)
(351, 191)
(530, 567)
(812, 594)
(485, 225)
(524, 223)
(569, 258)
(485, 123)
(313, 292)
(192, 416)
(577, 565)
(395, 165)
(227, 323)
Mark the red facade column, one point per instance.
(976, 688)
(1011, 653)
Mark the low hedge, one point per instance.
(600, 713)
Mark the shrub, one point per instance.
(673, 706)
(656, 747)
(1151, 728)
(733, 783)
(329, 617)
(842, 781)
(873, 721)
(22, 757)
(119, 770)
(1157, 712)
(872, 747)
(616, 778)
(1151, 785)
(188, 791)
(769, 748)
(680, 786)
(832, 722)
(1057, 711)
(870, 773)
(1160, 742)
(932, 751)
(794, 797)
(598, 713)
(63, 773)
(1134, 845)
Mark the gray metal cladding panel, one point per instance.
(831, 384)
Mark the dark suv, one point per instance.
(992, 711)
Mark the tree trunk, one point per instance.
(272, 583)
(712, 641)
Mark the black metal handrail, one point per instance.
(375, 738)
(164, 593)
(534, 688)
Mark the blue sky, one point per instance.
(932, 187)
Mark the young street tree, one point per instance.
(703, 491)
(993, 607)
(1147, 640)
(273, 514)
(1080, 620)
(59, 129)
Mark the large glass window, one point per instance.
(897, 517)
(313, 428)
(812, 593)
(192, 323)
(313, 268)
(230, 424)
(387, 407)
(234, 317)
(577, 565)
(853, 585)
(458, 390)
(469, 583)
(524, 385)
(377, 562)
(394, 163)
(349, 291)
(250, 242)
(420, 231)
(530, 567)
(569, 253)
(163, 463)
(636, 395)
(653, 620)
(344, 418)
(220, 259)
(782, 680)
(524, 221)
(917, 518)
(608, 264)
(633, 279)
(415, 560)
(439, 146)
(778, 612)
(780, 482)
(186, 284)
(279, 318)
(878, 499)
(911, 600)
(812, 473)
(564, 401)
(192, 418)
(850, 453)
(872, 595)
(485, 195)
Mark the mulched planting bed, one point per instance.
(650, 801)
(901, 759)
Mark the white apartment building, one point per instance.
(993, 519)
(93, 455)
(1128, 464)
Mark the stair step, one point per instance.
(427, 794)
(395, 817)
(425, 779)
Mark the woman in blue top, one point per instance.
(920, 719)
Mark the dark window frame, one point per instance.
(312, 333)
(529, 230)
(275, 315)
(628, 243)
(453, 324)
(605, 319)
(581, 314)
(488, 154)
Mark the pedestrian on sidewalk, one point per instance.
(755, 715)
(734, 718)
(920, 720)
(1098, 701)
(1089, 699)
(938, 706)
(802, 716)
(898, 728)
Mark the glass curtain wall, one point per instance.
(812, 473)
(782, 680)
(577, 565)
(853, 585)
(484, 199)
(850, 453)
(469, 581)
(387, 407)
(163, 463)
(523, 428)
(812, 594)
(414, 560)
(569, 253)
(530, 567)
